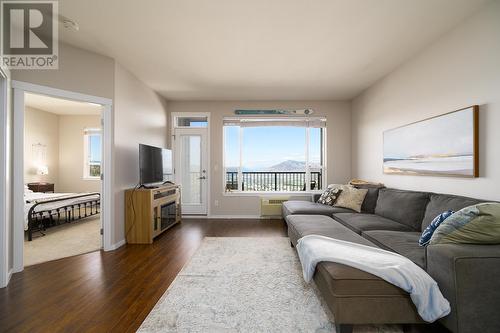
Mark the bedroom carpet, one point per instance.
(65, 240)
(243, 284)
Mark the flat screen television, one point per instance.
(155, 165)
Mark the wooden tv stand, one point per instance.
(151, 211)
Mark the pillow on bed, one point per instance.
(429, 231)
(476, 224)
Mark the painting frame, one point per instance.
(422, 164)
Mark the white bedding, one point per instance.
(31, 198)
(392, 267)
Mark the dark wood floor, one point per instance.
(111, 291)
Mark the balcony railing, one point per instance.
(279, 181)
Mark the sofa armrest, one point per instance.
(468, 276)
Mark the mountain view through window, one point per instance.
(273, 158)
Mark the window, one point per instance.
(200, 121)
(92, 153)
(274, 155)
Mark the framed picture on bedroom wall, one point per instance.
(445, 145)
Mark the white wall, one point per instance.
(41, 127)
(71, 154)
(140, 117)
(79, 71)
(460, 69)
(338, 136)
(63, 137)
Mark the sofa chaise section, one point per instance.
(353, 296)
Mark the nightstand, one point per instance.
(41, 187)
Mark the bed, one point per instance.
(46, 209)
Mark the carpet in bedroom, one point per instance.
(62, 241)
(243, 284)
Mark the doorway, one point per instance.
(62, 178)
(77, 208)
(191, 158)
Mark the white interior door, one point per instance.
(191, 168)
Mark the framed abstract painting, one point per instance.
(446, 145)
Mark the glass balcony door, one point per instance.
(191, 168)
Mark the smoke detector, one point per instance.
(69, 24)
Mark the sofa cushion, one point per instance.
(310, 208)
(303, 225)
(405, 207)
(403, 242)
(370, 200)
(439, 203)
(372, 195)
(361, 222)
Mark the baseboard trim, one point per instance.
(243, 217)
(116, 245)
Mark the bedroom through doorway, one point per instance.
(62, 178)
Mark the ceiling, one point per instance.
(261, 49)
(61, 106)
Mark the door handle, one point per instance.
(202, 177)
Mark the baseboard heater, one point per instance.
(271, 207)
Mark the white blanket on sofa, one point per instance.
(392, 267)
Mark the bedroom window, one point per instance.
(92, 153)
(274, 155)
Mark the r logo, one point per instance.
(27, 28)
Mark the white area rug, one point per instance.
(240, 284)
(65, 240)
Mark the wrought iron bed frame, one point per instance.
(36, 219)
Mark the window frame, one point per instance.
(188, 115)
(307, 192)
(87, 134)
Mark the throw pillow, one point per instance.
(476, 224)
(427, 234)
(351, 198)
(330, 195)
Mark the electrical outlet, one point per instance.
(216, 203)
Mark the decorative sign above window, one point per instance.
(446, 145)
(273, 112)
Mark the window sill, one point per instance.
(91, 178)
(262, 194)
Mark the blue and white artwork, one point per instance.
(439, 146)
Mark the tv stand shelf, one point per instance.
(151, 211)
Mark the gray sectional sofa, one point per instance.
(468, 275)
